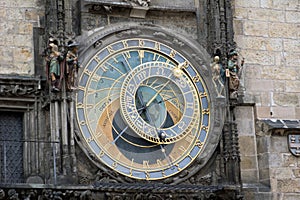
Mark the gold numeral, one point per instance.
(127, 54)
(158, 162)
(96, 77)
(203, 94)
(199, 144)
(205, 111)
(115, 164)
(110, 49)
(89, 106)
(101, 154)
(182, 148)
(147, 175)
(157, 46)
(141, 53)
(196, 78)
(98, 134)
(125, 44)
(115, 60)
(130, 172)
(79, 105)
(172, 54)
(181, 125)
(104, 68)
(81, 87)
(146, 163)
(204, 128)
(189, 138)
(141, 43)
(89, 139)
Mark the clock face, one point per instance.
(142, 108)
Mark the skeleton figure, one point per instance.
(217, 70)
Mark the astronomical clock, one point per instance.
(146, 107)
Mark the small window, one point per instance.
(11, 147)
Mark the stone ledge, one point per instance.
(277, 127)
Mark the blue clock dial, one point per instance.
(142, 109)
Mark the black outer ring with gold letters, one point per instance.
(102, 124)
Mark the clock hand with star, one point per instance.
(157, 93)
(160, 135)
(164, 100)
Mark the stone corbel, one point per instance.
(139, 8)
(21, 87)
(281, 127)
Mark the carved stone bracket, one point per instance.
(144, 3)
(19, 86)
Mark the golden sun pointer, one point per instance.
(177, 72)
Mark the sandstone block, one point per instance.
(245, 119)
(23, 54)
(258, 85)
(6, 40)
(259, 57)
(247, 3)
(276, 15)
(275, 160)
(291, 196)
(6, 55)
(292, 16)
(286, 5)
(264, 112)
(286, 99)
(296, 172)
(246, 144)
(284, 112)
(23, 41)
(249, 162)
(263, 144)
(288, 185)
(14, 14)
(291, 45)
(249, 176)
(292, 86)
(256, 28)
(292, 58)
(283, 30)
(25, 28)
(279, 73)
(279, 144)
(241, 13)
(279, 86)
(288, 160)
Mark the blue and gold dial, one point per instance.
(159, 103)
(143, 108)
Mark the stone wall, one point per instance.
(17, 19)
(267, 33)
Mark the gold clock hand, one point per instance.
(120, 134)
(123, 131)
(163, 150)
(157, 93)
(163, 100)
